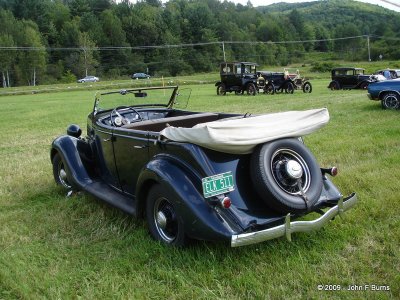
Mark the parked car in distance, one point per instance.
(388, 92)
(88, 79)
(140, 76)
(349, 78)
(287, 81)
(238, 77)
(239, 184)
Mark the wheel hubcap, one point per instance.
(391, 102)
(288, 170)
(165, 220)
(62, 175)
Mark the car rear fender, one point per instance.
(218, 83)
(201, 219)
(72, 150)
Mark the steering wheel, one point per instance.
(120, 120)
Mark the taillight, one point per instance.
(226, 202)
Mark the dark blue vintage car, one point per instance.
(196, 175)
(388, 92)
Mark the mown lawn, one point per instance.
(58, 248)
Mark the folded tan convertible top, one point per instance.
(240, 136)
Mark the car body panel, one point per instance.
(378, 89)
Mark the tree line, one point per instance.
(48, 41)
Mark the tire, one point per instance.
(221, 91)
(307, 87)
(364, 86)
(165, 225)
(289, 88)
(60, 173)
(269, 169)
(391, 101)
(334, 86)
(270, 89)
(251, 89)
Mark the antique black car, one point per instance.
(240, 77)
(199, 175)
(349, 78)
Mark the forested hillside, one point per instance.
(45, 41)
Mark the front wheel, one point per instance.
(164, 223)
(307, 87)
(391, 101)
(334, 86)
(251, 89)
(270, 89)
(60, 173)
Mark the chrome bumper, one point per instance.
(288, 227)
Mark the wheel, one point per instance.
(251, 89)
(270, 89)
(334, 85)
(307, 87)
(60, 173)
(391, 101)
(164, 223)
(286, 175)
(289, 88)
(364, 86)
(221, 90)
(120, 120)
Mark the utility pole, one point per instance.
(369, 50)
(223, 50)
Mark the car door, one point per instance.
(131, 152)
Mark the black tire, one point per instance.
(391, 101)
(364, 85)
(270, 167)
(270, 89)
(307, 87)
(165, 225)
(251, 89)
(334, 86)
(289, 88)
(221, 91)
(60, 173)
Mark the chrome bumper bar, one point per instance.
(288, 227)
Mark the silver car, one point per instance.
(89, 79)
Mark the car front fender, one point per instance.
(200, 218)
(70, 149)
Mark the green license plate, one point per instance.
(217, 184)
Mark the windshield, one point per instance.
(142, 97)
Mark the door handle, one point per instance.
(107, 140)
(140, 146)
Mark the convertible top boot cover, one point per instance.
(241, 135)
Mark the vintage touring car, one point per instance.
(199, 175)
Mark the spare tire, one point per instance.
(286, 175)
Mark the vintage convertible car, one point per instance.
(199, 175)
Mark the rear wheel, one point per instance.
(221, 91)
(270, 89)
(60, 172)
(164, 223)
(289, 88)
(364, 85)
(391, 101)
(286, 175)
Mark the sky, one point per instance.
(391, 4)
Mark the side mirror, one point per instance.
(74, 130)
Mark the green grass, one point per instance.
(58, 248)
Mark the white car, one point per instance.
(89, 79)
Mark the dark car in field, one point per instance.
(240, 77)
(140, 76)
(287, 82)
(349, 78)
(388, 92)
(237, 178)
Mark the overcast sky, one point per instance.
(391, 4)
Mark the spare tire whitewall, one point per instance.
(286, 175)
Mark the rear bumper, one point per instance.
(290, 227)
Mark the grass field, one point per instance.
(59, 248)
